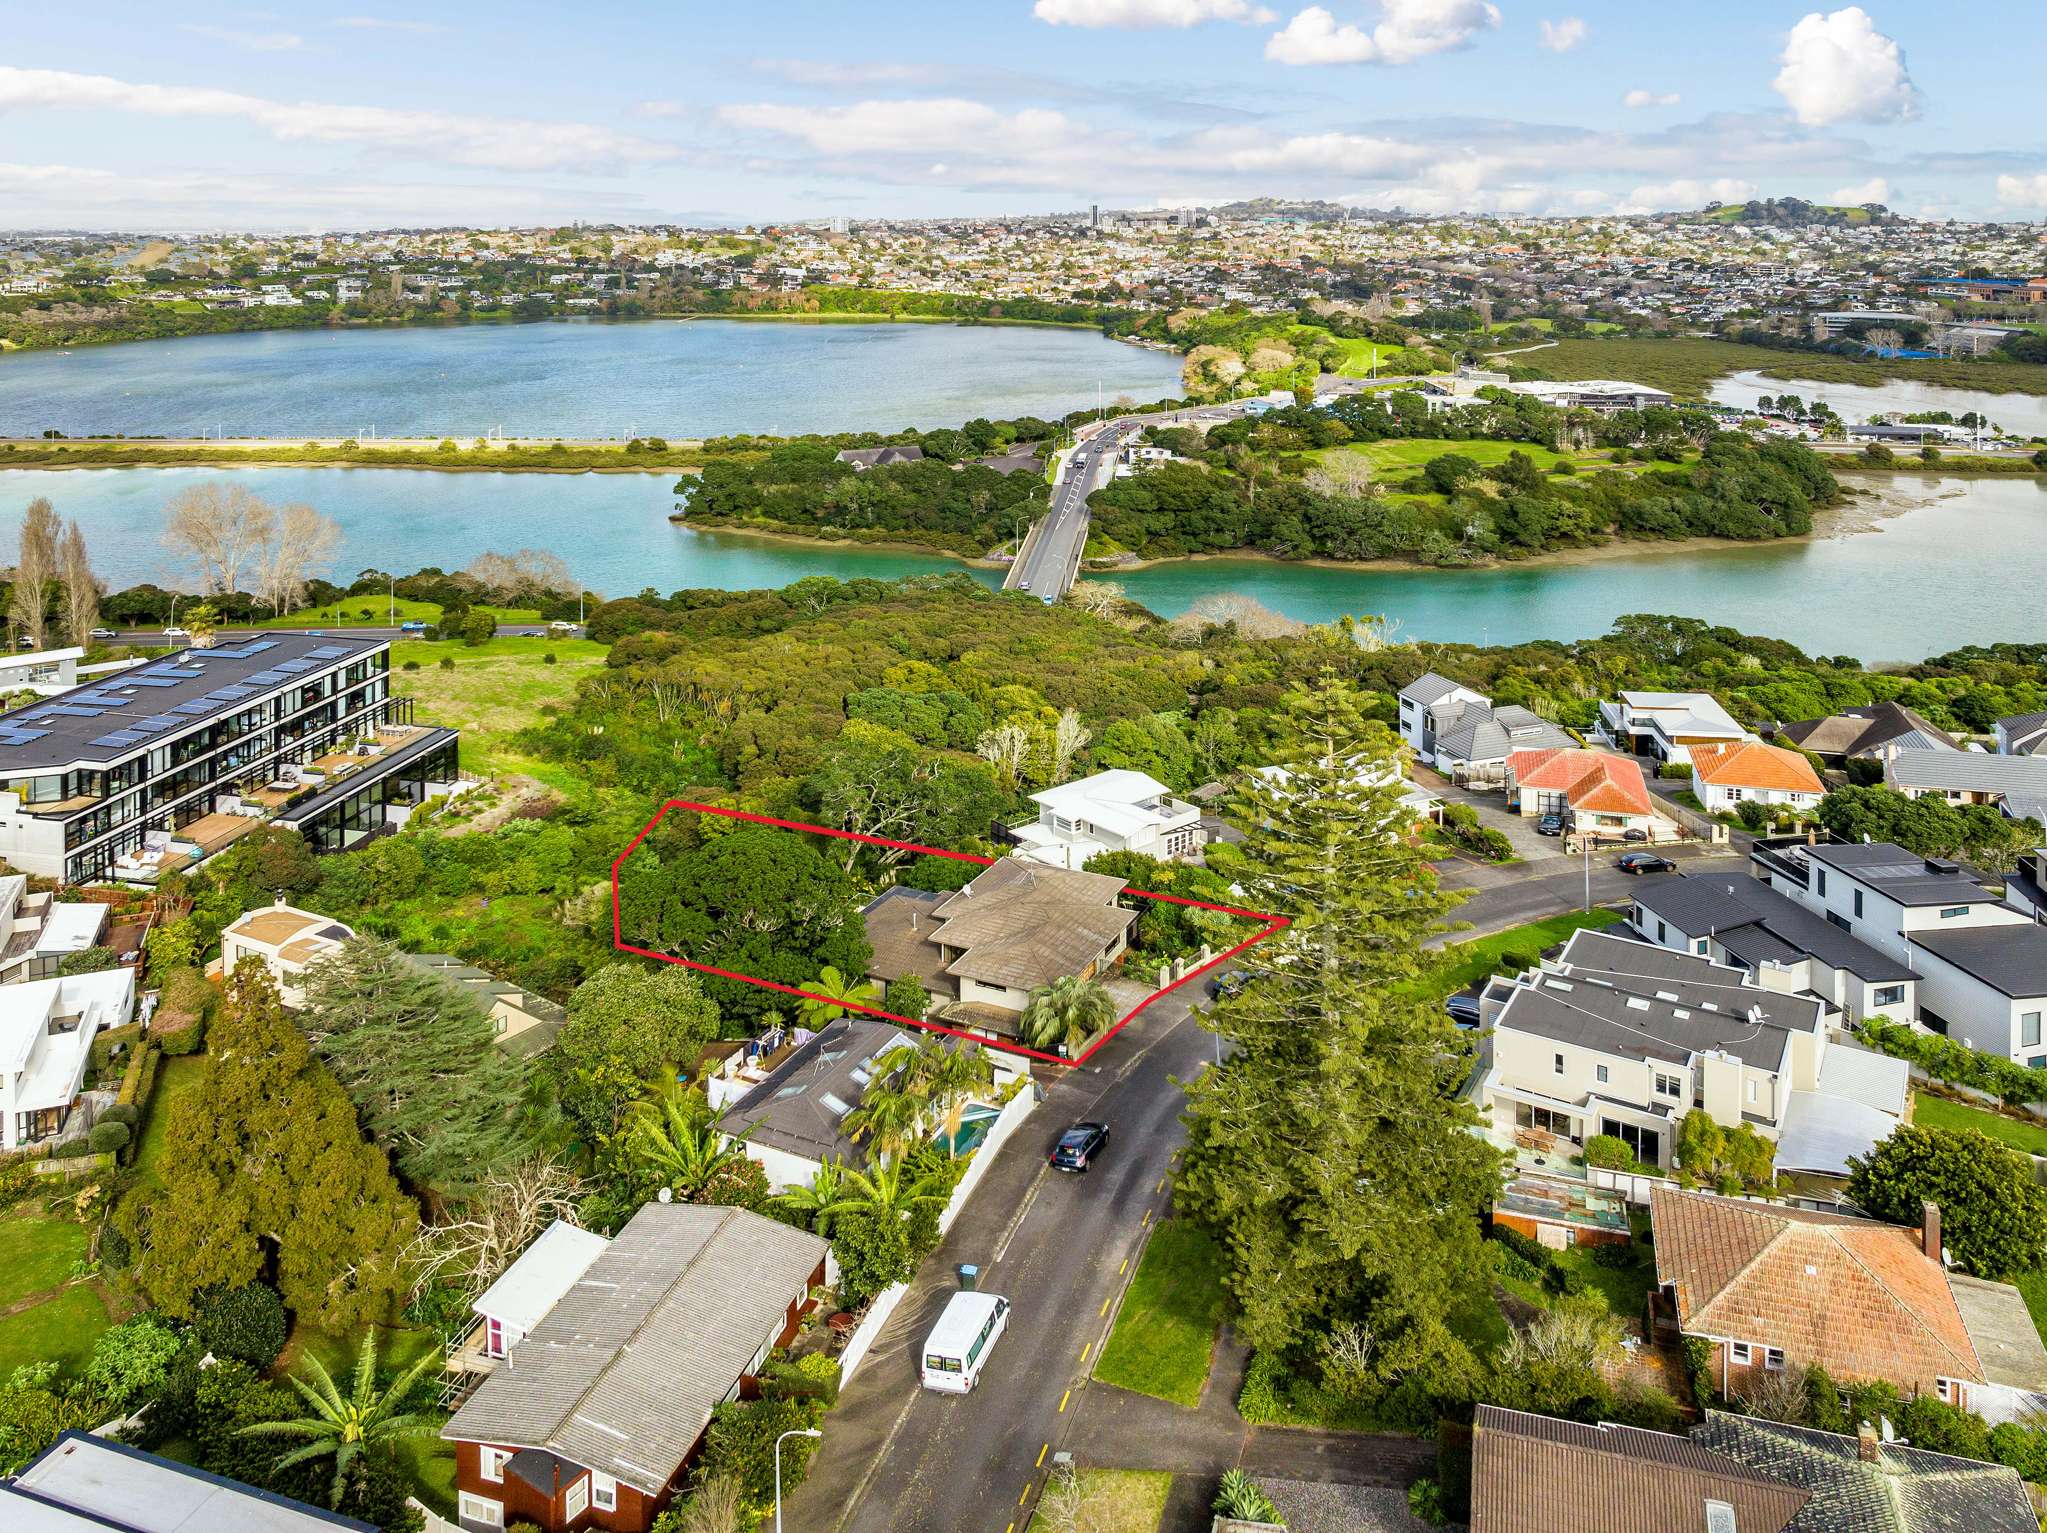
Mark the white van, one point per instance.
(957, 1349)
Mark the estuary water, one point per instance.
(1949, 562)
(2023, 414)
(576, 378)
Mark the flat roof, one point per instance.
(1903, 876)
(116, 717)
(83, 1482)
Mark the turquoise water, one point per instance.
(975, 1124)
(579, 378)
(1965, 561)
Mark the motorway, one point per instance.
(155, 638)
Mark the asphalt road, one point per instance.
(897, 1458)
(1053, 551)
(155, 636)
(1518, 893)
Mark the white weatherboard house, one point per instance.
(46, 1032)
(1462, 735)
(519, 1300)
(1115, 811)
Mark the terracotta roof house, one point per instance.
(1863, 734)
(1603, 793)
(592, 1419)
(1772, 1288)
(981, 950)
(1752, 772)
(1540, 1474)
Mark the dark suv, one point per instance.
(1078, 1146)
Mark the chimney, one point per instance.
(1867, 1444)
(1929, 1229)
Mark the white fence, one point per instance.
(1631, 1185)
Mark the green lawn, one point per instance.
(175, 1075)
(1115, 1501)
(1929, 1111)
(1517, 948)
(1408, 454)
(61, 1330)
(493, 691)
(377, 609)
(1621, 1287)
(1165, 1331)
(41, 1253)
(2032, 1287)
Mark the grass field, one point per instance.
(174, 1077)
(1407, 455)
(1930, 1111)
(494, 691)
(1114, 1501)
(1517, 948)
(1686, 366)
(1165, 1331)
(2032, 1287)
(41, 1252)
(62, 1330)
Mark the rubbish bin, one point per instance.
(970, 1277)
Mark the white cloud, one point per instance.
(1148, 13)
(501, 143)
(909, 127)
(1563, 36)
(1641, 98)
(1838, 68)
(814, 72)
(2023, 191)
(254, 42)
(1875, 189)
(1407, 30)
(1685, 195)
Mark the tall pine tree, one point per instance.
(1330, 1155)
(417, 1055)
(265, 1172)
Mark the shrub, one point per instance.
(1240, 1498)
(1753, 816)
(1263, 1397)
(245, 1323)
(1876, 452)
(72, 1149)
(120, 1112)
(1610, 1151)
(92, 960)
(108, 1137)
(184, 1040)
(548, 658)
(447, 662)
(129, 1362)
(1699, 1370)
(1676, 770)
(410, 665)
(1425, 1501)
(115, 1249)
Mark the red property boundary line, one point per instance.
(1273, 924)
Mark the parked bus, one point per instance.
(957, 1349)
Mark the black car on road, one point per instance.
(1643, 862)
(1078, 1146)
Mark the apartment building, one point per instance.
(158, 767)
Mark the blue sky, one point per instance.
(122, 115)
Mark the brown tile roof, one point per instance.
(1752, 764)
(1860, 1299)
(1538, 1474)
(1022, 925)
(1593, 781)
(900, 922)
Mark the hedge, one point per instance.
(1556, 1277)
(1946, 1060)
(103, 1046)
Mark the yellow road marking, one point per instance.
(1062, 1401)
(1086, 1347)
(1162, 1184)
(1105, 1305)
(1010, 1529)
(1145, 1220)
(1124, 1268)
(1020, 1500)
(1041, 1455)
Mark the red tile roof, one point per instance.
(1589, 780)
(1751, 764)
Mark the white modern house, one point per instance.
(1114, 811)
(2023, 734)
(1462, 735)
(1667, 725)
(46, 1032)
(1425, 692)
(39, 931)
(44, 672)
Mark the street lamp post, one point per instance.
(798, 1432)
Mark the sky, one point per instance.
(126, 116)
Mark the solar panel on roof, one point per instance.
(197, 705)
(234, 693)
(294, 667)
(21, 736)
(118, 737)
(156, 722)
(69, 712)
(153, 681)
(329, 652)
(267, 678)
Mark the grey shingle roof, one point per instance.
(1859, 731)
(1429, 688)
(1971, 772)
(2026, 731)
(2010, 959)
(1475, 732)
(621, 1375)
(1755, 922)
(799, 1108)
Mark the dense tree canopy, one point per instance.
(1993, 1215)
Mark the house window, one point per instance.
(2029, 1030)
(492, 1462)
(576, 1499)
(1949, 912)
(1662, 932)
(481, 1509)
(1890, 995)
(1820, 884)
(1601, 1072)
(603, 1492)
(1738, 1353)
(1671, 1086)
(1945, 1388)
(494, 1337)
(1773, 1359)
(1840, 920)
(1560, 1064)
(1734, 795)
(1751, 1091)
(1858, 902)
(1699, 947)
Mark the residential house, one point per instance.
(1425, 692)
(2015, 784)
(2025, 886)
(1988, 985)
(1462, 735)
(87, 1484)
(981, 950)
(512, 1307)
(45, 672)
(285, 940)
(596, 1414)
(1730, 1474)
(2023, 734)
(1773, 1289)
(1598, 794)
(40, 931)
(1864, 734)
(1667, 725)
(1749, 772)
(1744, 923)
(1622, 1038)
(525, 1024)
(46, 1032)
(876, 457)
(1114, 811)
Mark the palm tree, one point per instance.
(831, 983)
(946, 1076)
(888, 1115)
(1068, 1011)
(823, 1200)
(888, 1192)
(347, 1426)
(672, 1141)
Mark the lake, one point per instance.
(1965, 560)
(579, 378)
(2025, 414)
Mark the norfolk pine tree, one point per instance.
(1330, 1155)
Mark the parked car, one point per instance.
(1635, 833)
(1226, 984)
(1643, 862)
(1550, 825)
(560, 626)
(1078, 1146)
(104, 633)
(1464, 1009)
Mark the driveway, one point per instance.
(1513, 894)
(1492, 811)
